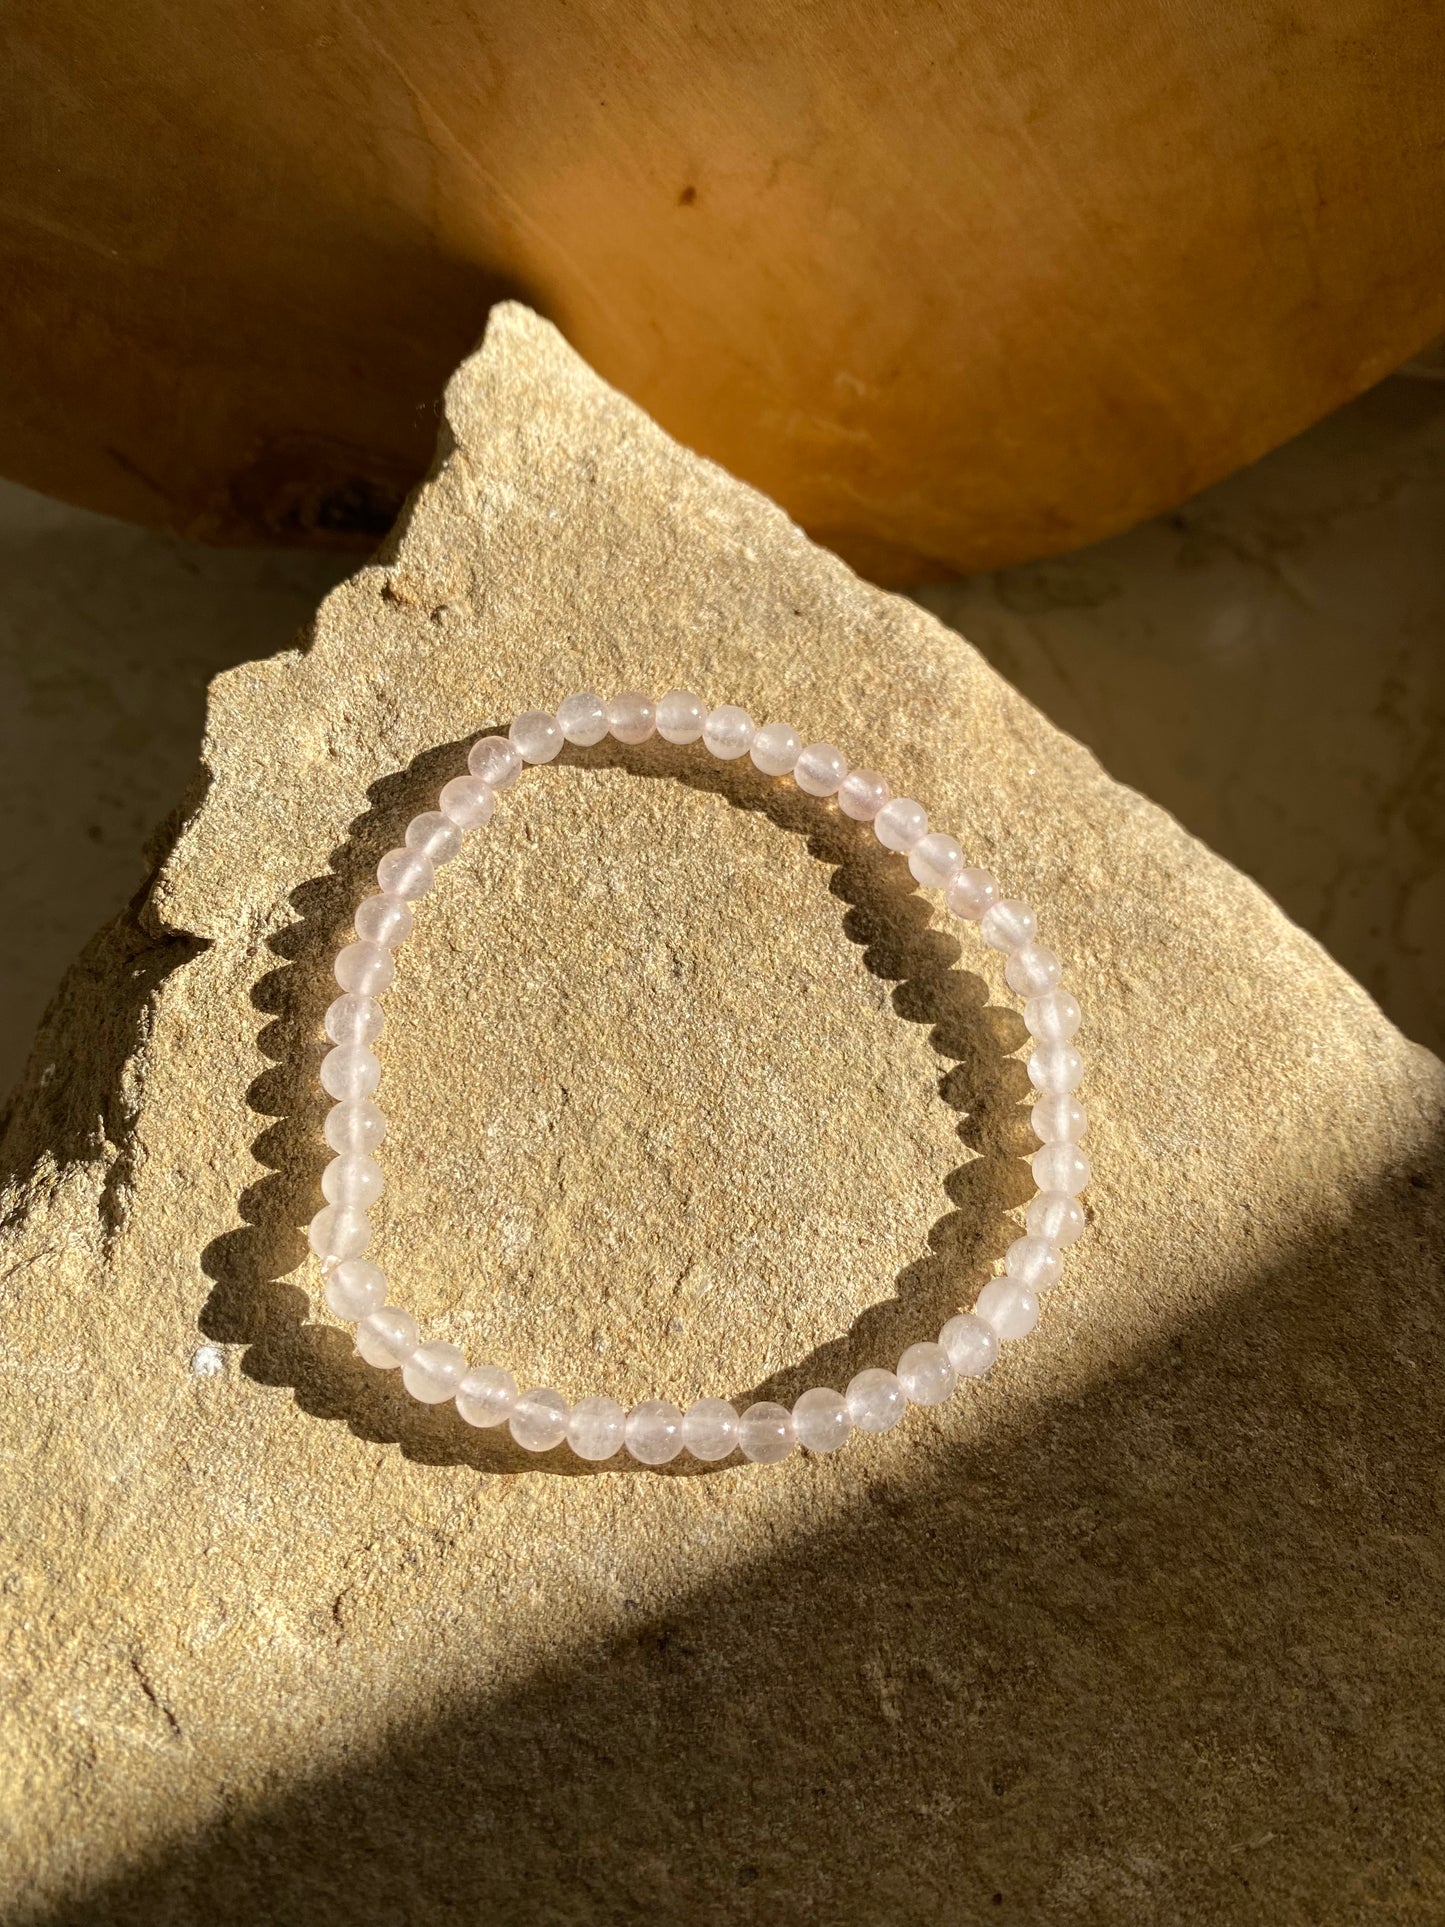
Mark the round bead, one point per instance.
(1008, 925)
(971, 1344)
(383, 920)
(339, 1231)
(926, 1374)
(386, 1336)
(406, 873)
(775, 749)
(1061, 1167)
(820, 1420)
(765, 1432)
(1010, 1307)
(875, 1400)
(349, 1071)
(653, 1431)
(1034, 1262)
(468, 802)
(1032, 969)
(1056, 1069)
(355, 1287)
(934, 859)
(495, 760)
(680, 716)
(433, 1372)
(536, 735)
(486, 1395)
(710, 1428)
(1060, 1119)
(1053, 1018)
(901, 823)
(538, 1419)
(1056, 1216)
(970, 893)
(358, 1125)
(353, 1178)
(862, 793)
(434, 835)
(353, 1019)
(583, 719)
(366, 968)
(728, 732)
(632, 717)
(820, 769)
(594, 1428)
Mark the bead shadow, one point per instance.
(253, 1304)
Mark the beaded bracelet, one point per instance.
(656, 1431)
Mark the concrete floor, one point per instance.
(1266, 662)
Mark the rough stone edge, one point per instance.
(74, 1107)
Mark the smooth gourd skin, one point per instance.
(955, 284)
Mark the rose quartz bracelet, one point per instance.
(656, 1431)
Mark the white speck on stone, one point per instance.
(208, 1361)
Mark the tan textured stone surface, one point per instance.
(1143, 1629)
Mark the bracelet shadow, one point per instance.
(253, 1302)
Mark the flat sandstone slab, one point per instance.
(693, 1092)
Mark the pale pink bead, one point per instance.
(386, 1336)
(366, 968)
(355, 1287)
(632, 717)
(775, 749)
(862, 793)
(354, 1019)
(970, 893)
(1034, 1262)
(1056, 1069)
(352, 1178)
(653, 1432)
(339, 1231)
(434, 835)
(433, 1372)
(820, 769)
(1032, 970)
(901, 823)
(1059, 1119)
(1061, 1167)
(710, 1428)
(468, 802)
(355, 1125)
(495, 761)
(934, 859)
(383, 920)
(486, 1395)
(875, 1399)
(927, 1374)
(406, 873)
(1010, 1307)
(680, 716)
(765, 1432)
(536, 735)
(538, 1419)
(349, 1071)
(583, 719)
(1056, 1216)
(1008, 925)
(971, 1344)
(1053, 1018)
(594, 1428)
(728, 732)
(820, 1420)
